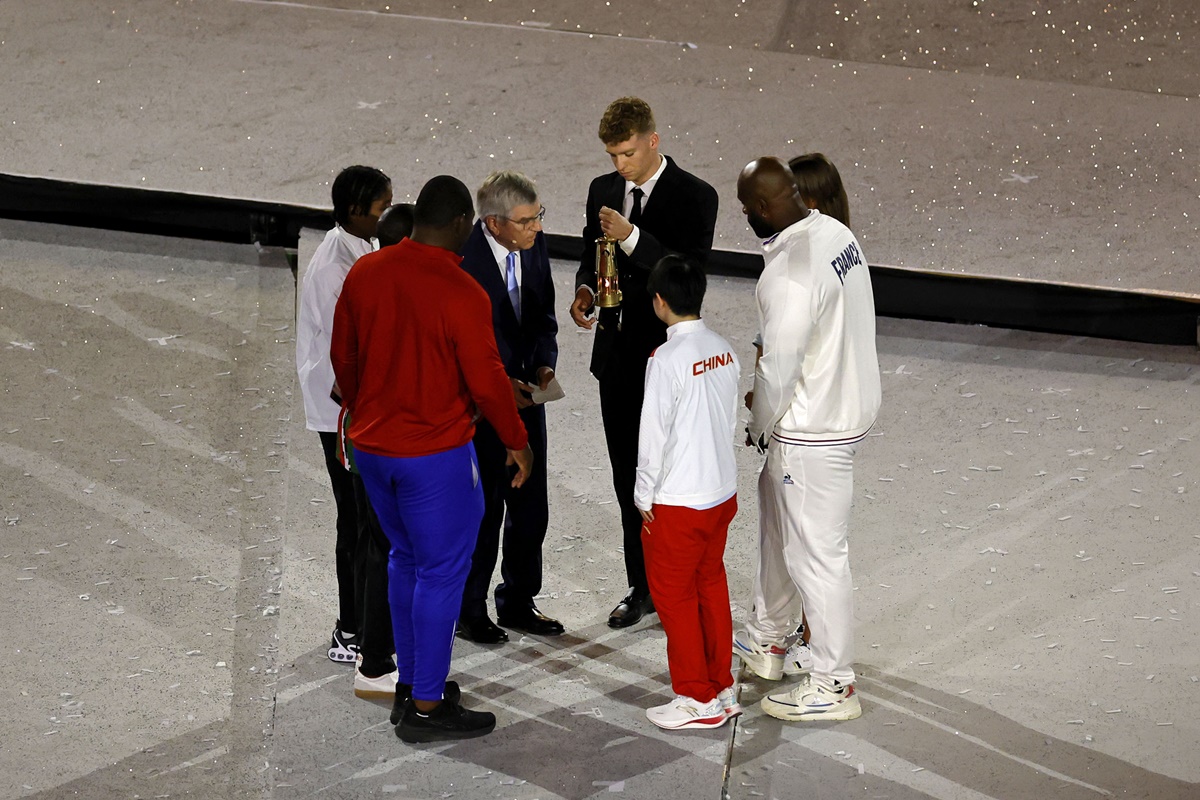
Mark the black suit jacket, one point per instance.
(532, 342)
(679, 217)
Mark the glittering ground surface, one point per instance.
(1023, 543)
(1024, 537)
(1027, 138)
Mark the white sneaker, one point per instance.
(765, 662)
(684, 712)
(809, 701)
(381, 688)
(798, 660)
(729, 703)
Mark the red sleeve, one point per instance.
(343, 348)
(479, 360)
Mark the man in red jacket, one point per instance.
(415, 357)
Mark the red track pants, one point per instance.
(685, 551)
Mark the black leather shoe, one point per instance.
(532, 621)
(447, 721)
(630, 610)
(404, 691)
(481, 630)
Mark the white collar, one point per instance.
(354, 242)
(685, 326)
(776, 240)
(648, 184)
(499, 251)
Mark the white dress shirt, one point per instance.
(314, 322)
(501, 253)
(627, 207)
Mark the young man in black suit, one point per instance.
(652, 208)
(506, 253)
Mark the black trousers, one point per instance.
(360, 556)
(621, 411)
(524, 525)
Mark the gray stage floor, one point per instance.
(1024, 549)
(1024, 537)
(1043, 139)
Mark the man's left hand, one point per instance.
(647, 516)
(544, 376)
(613, 225)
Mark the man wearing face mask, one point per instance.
(652, 208)
(816, 395)
(506, 253)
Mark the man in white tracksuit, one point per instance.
(816, 395)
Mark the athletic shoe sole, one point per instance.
(375, 688)
(342, 653)
(424, 736)
(789, 711)
(701, 722)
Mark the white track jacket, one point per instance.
(689, 415)
(323, 280)
(818, 380)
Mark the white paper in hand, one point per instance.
(553, 391)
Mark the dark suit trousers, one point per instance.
(376, 641)
(361, 565)
(524, 525)
(621, 411)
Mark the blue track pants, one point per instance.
(430, 508)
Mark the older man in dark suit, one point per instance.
(652, 208)
(506, 253)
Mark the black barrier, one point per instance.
(188, 216)
(1152, 317)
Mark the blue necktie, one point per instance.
(514, 290)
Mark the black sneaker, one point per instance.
(404, 691)
(344, 647)
(446, 722)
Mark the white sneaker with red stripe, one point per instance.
(809, 701)
(765, 661)
(729, 702)
(684, 712)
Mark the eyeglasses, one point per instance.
(527, 223)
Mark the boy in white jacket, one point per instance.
(686, 490)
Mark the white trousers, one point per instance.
(804, 496)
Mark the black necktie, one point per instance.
(635, 215)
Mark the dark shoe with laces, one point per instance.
(448, 722)
(404, 692)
